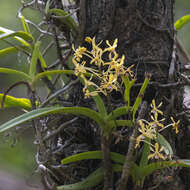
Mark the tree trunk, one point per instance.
(146, 36)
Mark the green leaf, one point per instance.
(121, 123)
(164, 164)
(52, 110)
(43, 64)
(128, 84)
(145, 153)
(66, 19)
(116, 157)
(182, 21)
(140, 173)
(47, 7)
(42, 60)
(118, 112)
(143, 161)
(11, 101)
(167, 147)
(99, 103)
(19, 35)
(14, 49)
(82, 156)
(15, 72)
(137, 174)
(140, 95)
(25, 25)
(33, 63)
(7, 51)
(92, 180)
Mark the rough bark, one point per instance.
(145, 32)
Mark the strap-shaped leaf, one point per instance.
(99, 103)
(35, 56)
(52, 110)
(25, 25)
(7, 51)
(11, 101)
(5, 33)
(92, 180)
(121, 123)
(128, 84)
(182, 21)
(15, 72)
(14, 49)
(116, 157)
(140, 95)
(145, 153)
(47, 6)
(118, 112)
(163, 164)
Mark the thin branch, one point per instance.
(56, 131)
(58, 92)
(48, 47)
(186, 79)
(129, 159)
(159, 85)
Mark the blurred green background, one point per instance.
(17, 150)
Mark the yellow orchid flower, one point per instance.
(78, 52)
(155, 108)
(146, 130)
(111, 48)
(156, 122)
(175, 125)
(156, 152)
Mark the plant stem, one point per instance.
(130, 154)
(108, 174)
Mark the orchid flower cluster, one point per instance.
(106, 73)
(103, 69)
(150, 129)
